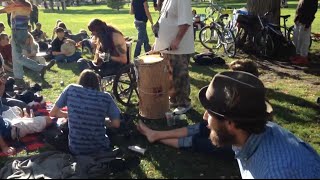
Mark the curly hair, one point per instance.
(89, 79)
(244, 65)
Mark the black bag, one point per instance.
(208, 58)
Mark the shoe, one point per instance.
(50, 64)
(42, 72)
(300, 61)
(292, 58)
(182, 110)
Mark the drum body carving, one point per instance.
(68, 48)
(152, 86)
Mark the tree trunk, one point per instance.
(260, 7)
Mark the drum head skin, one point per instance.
(150, 59)
(68, 48)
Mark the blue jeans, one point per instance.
(198, 140)
(63, 58)
(142, 38)
(19, 61)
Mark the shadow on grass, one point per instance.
(88, 11)
(290, 115)
(73, 66)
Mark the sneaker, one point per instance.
(293, 58)
(301, 61)
(182, 110)
(50, 64)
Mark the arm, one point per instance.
(115, 123)
(182, 31)
(146, 9)
(121, 48)
(57, 112)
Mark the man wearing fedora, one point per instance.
(238, 115)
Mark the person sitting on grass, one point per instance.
(196, 136)
(63, 56)
(15, 123)
(238, 115)
(32, 48)
(110, 52)
(6, 51)
(87, 109)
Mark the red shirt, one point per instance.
(6, 53)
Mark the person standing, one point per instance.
(176, 33)
(20, 15)
(305, 14)
(140, 9)
(34, 16)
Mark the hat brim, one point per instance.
(206, 104)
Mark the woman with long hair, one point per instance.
(32, 48)
(110, 52)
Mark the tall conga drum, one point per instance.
(152, 86)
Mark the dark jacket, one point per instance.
(305, 12)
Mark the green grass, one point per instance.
(293, 98)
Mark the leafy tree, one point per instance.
(116, 4)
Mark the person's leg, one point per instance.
(296, 38)
(83, 64)
(60, 58)
(139, 27)
(27, 126)
(145, 38)
(16, 66)
(153, 135)
(75, 57)
(181, 80)
(305, 35)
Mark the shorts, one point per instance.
(21, 127)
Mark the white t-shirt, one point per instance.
(173, 14)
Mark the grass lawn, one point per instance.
(292, 92)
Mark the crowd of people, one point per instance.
(237, 122)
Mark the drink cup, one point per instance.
(170, 118)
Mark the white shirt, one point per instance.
(173, 14)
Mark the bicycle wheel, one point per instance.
(125, 86)
(290, 36)
(229, 42)
(264, 44)
(209, 38)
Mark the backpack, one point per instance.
(208, 59)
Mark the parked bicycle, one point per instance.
(218, 34)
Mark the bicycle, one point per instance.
(218, 34)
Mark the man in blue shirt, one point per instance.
(237, 113)
(87, 109)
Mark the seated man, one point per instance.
(110, 52)
(40, 37)
(6, 51)
(15, 124)
(87, 109)
(196, 136)
(63, 56)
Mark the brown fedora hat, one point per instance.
(237, 95)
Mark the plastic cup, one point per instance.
(170, 118)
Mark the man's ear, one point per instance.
(230, 125)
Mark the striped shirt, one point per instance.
(277, 153)
(87, 110)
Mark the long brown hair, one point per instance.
(89, 79)
(104, 34)
(25, 3)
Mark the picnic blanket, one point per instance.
(33, 142)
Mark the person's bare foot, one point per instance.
(149, 133)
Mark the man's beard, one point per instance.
(221, 137)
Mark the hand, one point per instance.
(174, 44)
(9, 150)
(104, 56)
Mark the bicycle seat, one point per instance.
(285, 17)
(224, 16)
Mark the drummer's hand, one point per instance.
(174, 44)
(152, 52)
